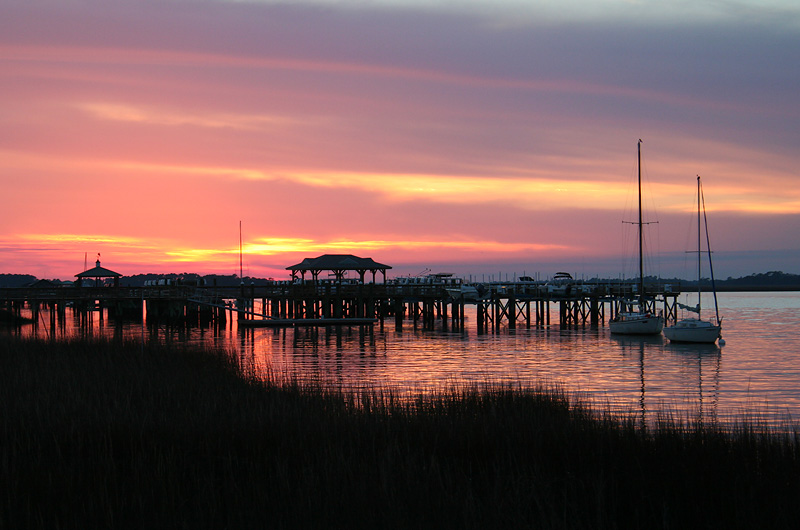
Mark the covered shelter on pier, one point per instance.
(99, 274)
(338, 265)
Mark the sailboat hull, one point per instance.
(635, 324)
(693, 330)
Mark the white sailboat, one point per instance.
(641, 322)
(697, 329)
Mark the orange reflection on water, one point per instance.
(757, 373)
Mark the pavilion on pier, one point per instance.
(99, 274)
(338, 265)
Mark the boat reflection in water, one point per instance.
(689, 372)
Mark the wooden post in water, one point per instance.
(399, 313)
(429, 315)
(495, 313)
(512, 310)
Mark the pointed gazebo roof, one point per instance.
(98, 272)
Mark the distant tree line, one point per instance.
(773, 280)
(16, 280)
(138, 280)
(765, 281)
(190, 278)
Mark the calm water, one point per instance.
(756, 374)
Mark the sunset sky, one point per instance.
(475, 137)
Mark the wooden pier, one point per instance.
(499, 306)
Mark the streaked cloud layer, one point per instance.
(469, 136)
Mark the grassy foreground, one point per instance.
(111, 435)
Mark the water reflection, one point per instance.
(633, 348)
(679, 380)
(758, 369)
(703, 360)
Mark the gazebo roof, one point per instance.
(338, 262)
(98, 272)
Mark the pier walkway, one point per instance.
(499, 305)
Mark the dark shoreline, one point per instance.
(123, 435)
(745, 289)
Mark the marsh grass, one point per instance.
(119, 435)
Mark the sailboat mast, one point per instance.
(241, 272)
(708, 248)
(699, 260)
(641, 236)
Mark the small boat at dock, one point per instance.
(467, 292)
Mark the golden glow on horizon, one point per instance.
(159, 254)
(198, 255)
(275, 247)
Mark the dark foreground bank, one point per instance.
(111, 435)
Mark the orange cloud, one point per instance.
(162, 116)
(60, 239)
(544, 190)
(343, 245)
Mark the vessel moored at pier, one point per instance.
(642, 321)
(697, 329)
